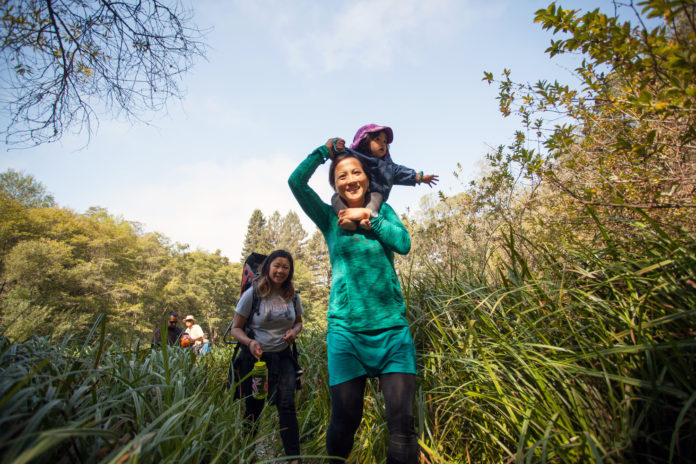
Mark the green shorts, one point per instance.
(354, 354)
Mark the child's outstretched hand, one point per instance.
(340, 145)
(430, 179)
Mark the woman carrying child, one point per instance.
(371, 144)
(368, 333)
(273, 324)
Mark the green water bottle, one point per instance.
(259, 380)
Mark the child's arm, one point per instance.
(401, 175)
(408, 176)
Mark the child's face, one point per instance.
(378, 145)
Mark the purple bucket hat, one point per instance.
(369, 128)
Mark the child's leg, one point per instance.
(338, 205)
(374, 204)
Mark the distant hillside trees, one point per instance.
(59, 269)
(25, 189)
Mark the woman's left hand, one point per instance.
(290, 336)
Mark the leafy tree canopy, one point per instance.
(624, 137)
(68, 59)
(25, 189)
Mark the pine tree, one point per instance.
(292, 236)
(318, 260)
(273, 232)
(255, 236)
(315, 294)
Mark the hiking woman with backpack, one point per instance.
(271, 313)
(368, 333)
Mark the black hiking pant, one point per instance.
(399, 391)
(281, 386)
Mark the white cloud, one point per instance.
(372, 34)
(368, 33)
(208, 205)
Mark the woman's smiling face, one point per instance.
(351, 182)
(278, 271)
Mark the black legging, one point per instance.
(346, 413)
(284, 399)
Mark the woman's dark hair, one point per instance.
(337, 159)
(263, 286)
(364, 145)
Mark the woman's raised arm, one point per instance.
(311, 204)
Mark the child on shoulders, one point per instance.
(371, 144)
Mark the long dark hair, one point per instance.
(263, 284)
(340, 157)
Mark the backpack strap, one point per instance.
(255, 303)
(255, 308)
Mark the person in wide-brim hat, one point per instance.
(194, 330)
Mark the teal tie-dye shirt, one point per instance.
(365, 290)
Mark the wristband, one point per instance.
(326, 156)
(419, 177)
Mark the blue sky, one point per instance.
(279, 79)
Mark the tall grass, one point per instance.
(93, 399)
(591, 359)
(97, 401)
